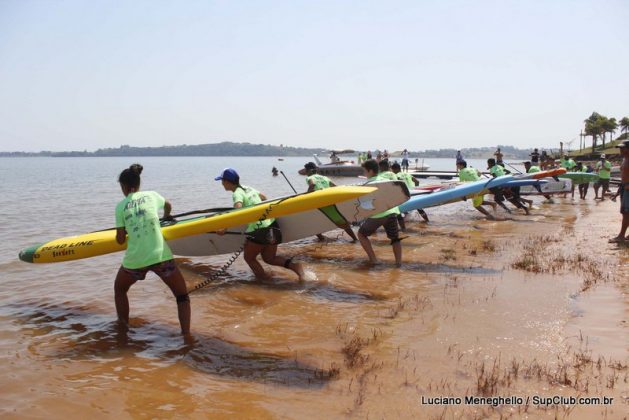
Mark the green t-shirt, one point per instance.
(569, 164)
(497, 170)
(407, 178)
(534, 169)
(468, 174)
(320, 182)
(138, 214)
(387, 176)
(394, 210)
(604, 169)
(250, 197)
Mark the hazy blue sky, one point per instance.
(89, 74)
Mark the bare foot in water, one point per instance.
(298, 269)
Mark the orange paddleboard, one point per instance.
(543, 174)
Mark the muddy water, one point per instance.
(457, 319)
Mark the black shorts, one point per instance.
(603, 182)
(498, 195)
(515, 193)
(389, 223)
(163, 269)
(271, 235)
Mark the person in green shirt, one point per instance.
(385, 171)
(137, 223)
(584, 186)
(387, 219)
(411, 182)
(263, 236)
(531, 169)
(387, 174)
(470, 175)
(318, 182)
(567, 163)
(604, 170)
(512, 194)
(497, 170)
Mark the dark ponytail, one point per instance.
(130, 177)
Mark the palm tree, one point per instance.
(609, 125)
(594, 127)
(624, 125)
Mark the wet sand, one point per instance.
(534, 306)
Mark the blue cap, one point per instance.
(228, 174)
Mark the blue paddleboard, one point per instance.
(461, 192)
(524, 182)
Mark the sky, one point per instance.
(421, 74)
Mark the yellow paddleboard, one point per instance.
(104, 242)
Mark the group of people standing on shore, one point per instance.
(384, 156)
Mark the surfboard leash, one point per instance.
(214, 276)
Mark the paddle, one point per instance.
(291, 185)
(515, 169)
(172, 217)
(188, 213)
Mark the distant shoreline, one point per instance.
(260, 150)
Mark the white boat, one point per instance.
(338, 168)
(346, 167)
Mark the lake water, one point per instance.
(262, 350)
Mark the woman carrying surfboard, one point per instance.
(263, 236)
(137, 222)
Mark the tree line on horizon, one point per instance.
(248, 149)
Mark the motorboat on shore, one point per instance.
(337, 168)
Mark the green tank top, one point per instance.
(320, 182)
(468, 175)
(497, 170)
(407, 178)
(250, 197)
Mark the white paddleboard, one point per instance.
(299, 225)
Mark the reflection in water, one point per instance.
(77, 333)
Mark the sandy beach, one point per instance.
(531, 308)
(519, 319)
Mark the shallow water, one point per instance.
(282, 348)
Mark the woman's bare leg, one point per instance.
(121, 286)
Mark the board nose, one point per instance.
(28, 254)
